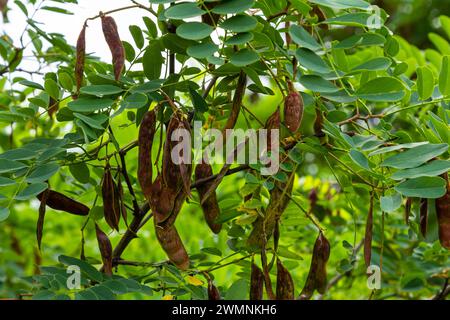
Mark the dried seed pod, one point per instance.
(81, 55)
(317, 276)
(368, 235)
(318, 124)
(285, 284)
(256, 283)
(293, 109)
(162, 200)
(408, 209)
(53, 107)
(40, 221)
(171, 243)
(58, 201)
(111, 204)
(443, 215)
(213, 292)
(145, 140)
(105, 250)
(423, 216)
(112, 38)
(210, 206)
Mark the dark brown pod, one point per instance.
(171, 243)
(53, 107)
(40, 221)
(145, 140)
(213, 292)
(105, 250)
(293, 110)
(368, 235)
(112, 38)
(210, 206)
(58, 201)
(443, 215)
(256, 283)
(81, 56)
(423, 216)
(111, 204)
(408, 209)
(285, 284)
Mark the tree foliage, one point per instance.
(362, 181)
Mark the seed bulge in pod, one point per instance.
(285, 284)
(112, 38)
(293, 111)
(145, 141)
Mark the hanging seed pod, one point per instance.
(285, 284)
(186, 166)
(58, 201)
(317, 276)
(112, 38)
(293, 109)
(318, 124)
(111, 205)
(423, 216)
(40, 221)
(171, 243)
(368, 235)
(408, 209)
(162, 200)
(53, 107)
(105, 250)
(213, 292)
(210, 206)
(145, 140)
(256, 283)
(81, 55)
(443, 215)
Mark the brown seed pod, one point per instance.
(256, 283)
(318, 124)
(40, 221)
(293, 109)
(145, 140)
(408, 209)
(162, 200)
(213, 292)
(81, 55)
(58, 201)
(423, 216)
(443, 215)
(105, 250)
(171, 243)
(53, 107)
(285, 284)
(210, 206)
(368, 235)
(317, 276)
(111, 204)
(112, 38)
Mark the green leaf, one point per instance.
(66, 81)
(203, 50)
(135, 101)
(51, 87)
(89, 105)
(18, 154)
(4, 182)
(343, 4)
(397, 147)
(311, 61)
(444, 77)
(31, 191)
(137, 35)
(360, 159)
(148, 87)
(423, 187)
(383, 89)
(358, 19)
(32, 84)
(238, 290)
(239, 23)
(233, 6)
(317, 84)
(431, 169)
(10, 165)
(101, 90)
(152, 61)
(415, 157)
(390, 203)
(425, 82)
(4, 214)
(244, 57)
(199, 103)
(194, 30)
(240, 38)
(91, 120)
(80, 172)
(374, 65)
(183, 11)
(301, 37)
(85, 267)
(43, 172)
